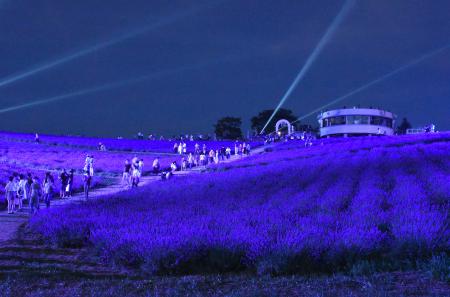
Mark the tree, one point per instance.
(261, 119)
(228, 128)
(405, 125)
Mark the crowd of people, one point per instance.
(25, 187)
(29, 188)
(132, 172)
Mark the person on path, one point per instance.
(156, 167)
(16, 189)
(69, 187)
(228, 152)
(28, 186)
(10, 194)
(202, 159)
(48, 189)
(86, 184)
(211, 156)
(135, 172)
(22, 190)
(64, 177)
(141, 167)
(126, 176)
(174, 166)
(190, 161)
(35, 195)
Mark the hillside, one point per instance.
(339, 205)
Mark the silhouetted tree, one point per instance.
(228, 128)
(405, 125)
(260, 120)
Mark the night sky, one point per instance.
(231, 58)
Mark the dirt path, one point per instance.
(10, 223)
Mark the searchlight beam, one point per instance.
(377, 81)
(311, 59)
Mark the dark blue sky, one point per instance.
(237, 58)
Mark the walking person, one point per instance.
(28, 186)
(126, 176)
(86, 184)
(16, 189)
(10, 194)
(211, 156)
(64, 177)
(35, 195)
(22, 190)
(228, 152)
(156, 166)
(70, 183)
(48, 189)
(190, 161)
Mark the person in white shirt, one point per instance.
(156, 166)
(141, 167)
(228, 152)
(174, 166)
(10, 193)
(22, 190)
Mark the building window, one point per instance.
(358, 120)
(333, 121)
(381, 121)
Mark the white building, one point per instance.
(356, 121)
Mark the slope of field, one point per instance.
(325, 208)
(127, 145)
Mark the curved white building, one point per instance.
(356, 121)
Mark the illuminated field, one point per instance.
(290, 210)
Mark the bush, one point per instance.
(439, 267)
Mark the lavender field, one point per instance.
(324, 208)
(127, 145)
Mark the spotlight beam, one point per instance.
(377, 80)
(114, 85)
(98, 46)
(311, 59)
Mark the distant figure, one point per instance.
(64, 177)
(35, 195)
(156, 166)
(126, 176)
(36, 138)
(175, 147)
(10, 194)
(184, 148)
